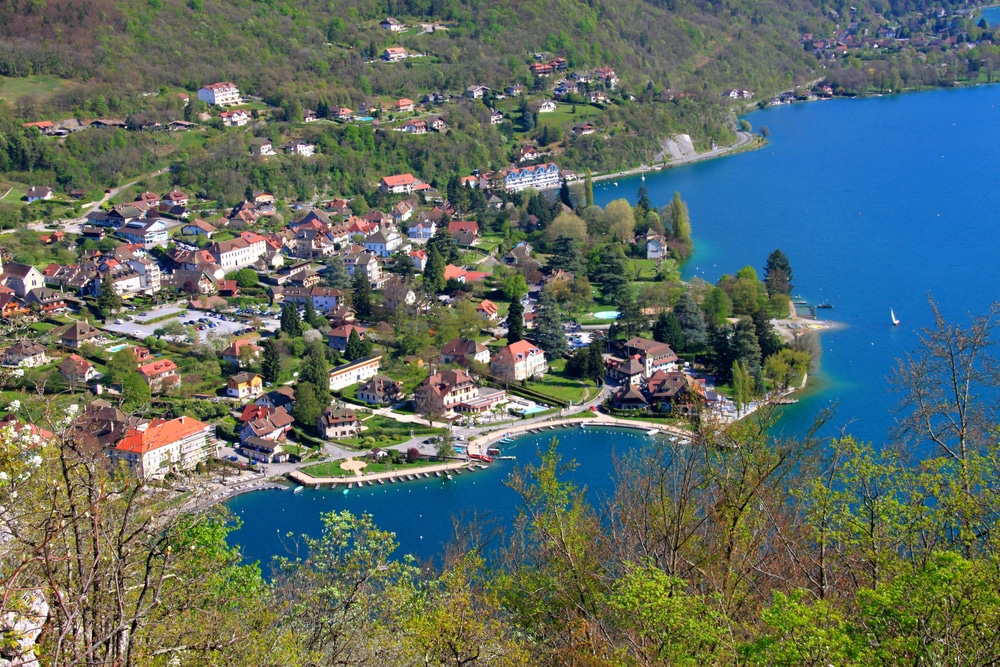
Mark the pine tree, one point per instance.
(443, 242)
(434, 271)
(588, 188)
(778, 274)
(310, 402)
(549, 332)
(642, 203)
(595, 362)
(766, 336)
(315, 368)
(310, 316)
(745, 347)
(291, 323)
(692, 322)
(515, 322)
(108, 301)
(565, 255)
(362, 295)
(668, 330)
(336, 275)
(630, 317)
(357, 348)
(564, 194)
(270, 366)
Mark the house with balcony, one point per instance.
(338, 423)
(380, 390)
(443, 392)
(160, 375)
(463, 350)
(151, 451)
(25, 354)
(394, 54)
(267, 423)
(354, 372)
(148, 233)
(220, 94)
(539, 177)
(235, 118)
(241, 352)
(383, 243)
(245, 386)
(77, 370)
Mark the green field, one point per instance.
(333, 469)
(556, 384)
(39, 85)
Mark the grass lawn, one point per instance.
(564, 114)
(333, 469)
(39, 85)
(558, 385)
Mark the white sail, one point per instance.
(892, 313)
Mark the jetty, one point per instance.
(392, 476)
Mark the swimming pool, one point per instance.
(116, 348)
(607, 315)
(365, 119)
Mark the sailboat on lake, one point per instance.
(892, 314)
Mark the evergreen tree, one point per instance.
(515, 321)
(336, 275)
(291, 323)
(588, 188)
(538, 207)
(564, 194)
(742, 385)
(108, 301)
(434, 271)
(310, 402)
(595, 362)
(443, 242)
(565, 255)
(270, 366)
(549, 333)
(401, 265)
(310, 316)
(746, 348)
(778, 274)
(691, 320)
(668, 330)
(642, 203)
(356, 347)
(315, 368)
(631, 320)
(768, 340)
(362, 295)
(716, 306)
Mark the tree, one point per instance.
(631, 319)
(315, 368)
(291, 324)
(434, 271)
(108, 301)
(247, 278)
(741, 386)
(567, 224)
(564, 194)
(514, 287)
(362, 295)
(787, 367)
(620, 220)
(444, 243)
(311, 317)
(692, 322)
(336, 275)
(588, 188)
(549, 333)
(310, 401)
(778, 274)
(680, 220)
(667, 329)
(565, 254)
(767, 338)
(746, 348)
(270, 366)
(716, 306)
(515, 321)
(356, 347)
(642, 203)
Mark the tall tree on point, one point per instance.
(270, 366)
(434, 271)
(778, 274)
(588, 188)
(680, 219)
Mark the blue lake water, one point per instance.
(991, 14)
(877, 202)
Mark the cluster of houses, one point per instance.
(651, 378)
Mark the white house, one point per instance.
(391, 24)
(383, 244)
(38, 193)
(300, 148)
(422, 229)
(165, 446)
(236, 118)
(519, 361)
(261, 147)
(540, 177)
(354, 372)
(547, 106)
(220, 94)
(147, 233)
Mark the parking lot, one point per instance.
(209, 324)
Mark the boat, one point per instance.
(371, 483)
(892, 314)
(449, 475)
(298, 489)
(458, 472)
(437, 473)
(825, 304)
(380, 482)
(345, 492)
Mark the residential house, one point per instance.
(165, 446)
(262, 147)
(38, 193)
(338, 423)
(654, 356)
(443, 392)
(394, 54)
(176, 198)
(421, 230)
(419, 259)
(548, 106)
(380, 390)
(598, 97)
(235, 118)
(564, 88)
(518, 254)
(310, 116)
(365, 262)
(220, 94)
(199, 227)
(515, 89)
(78, 333)
(198, 281)
(147, 233)
(402, 211)
(656, 247)
(463, 350)
(437, 123)
(541, 69)
(399, 184)
(267, 423)
(48, 301)
(527, 154)
(77, 370)
(25, 354)
(342, 113)
(676, 389)
(239, 252)
(11, 306)
(323, 298)
(415, 126)
(160, 375)
(583, 129)
(263, 450)
(21, 278)
(383, 244)
(630, 397)
(495, 117)
(241, 352)
(519, 361)
(245, 385)
(608, 76)
(403, 105)
(282, 397)
(476, 92)
(628, 371)
(452, 272)
(338, 336)
(300, 148)
(391, 25)
(464, 232)
(488, 309)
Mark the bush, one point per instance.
(412, 454)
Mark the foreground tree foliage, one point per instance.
(735, 548)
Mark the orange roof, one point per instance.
(40, 124)
(157, 367)
(487, 307)
(159, 434)
(400, 179)
(404, 101)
